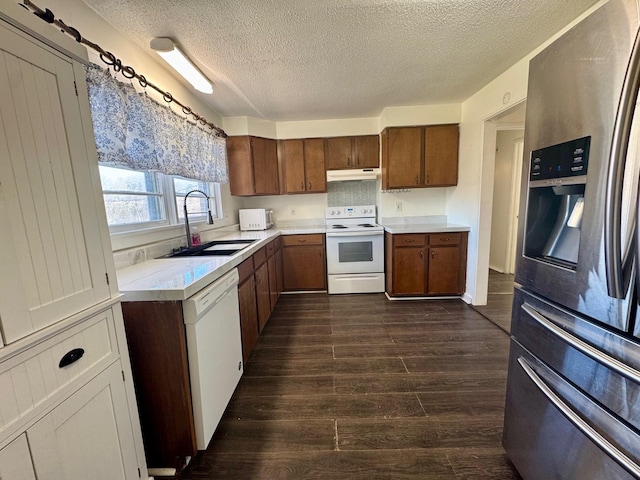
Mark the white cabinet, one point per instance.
(52, 254)
(87, 436)
(15, 461)
(73, 421)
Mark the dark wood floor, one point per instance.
(358, 387)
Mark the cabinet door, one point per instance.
(279, 271)
(88, 436)
(409, 274)
(240, 165)
(339, 153)
(315, 172)
(273, 282)
(263, 298)
(444, 270)
(265, 166)
(248, 316)
(402, 159)
(441, 155)
(304, 268)
(293, 154)
(52, 253)
(15, 461)
(367, 151)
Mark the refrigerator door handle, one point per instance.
(592, 352)
(616, 274)
(574, 418)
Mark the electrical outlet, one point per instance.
(293, 212)
(398, 207)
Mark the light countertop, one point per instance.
(424, 228)
(178, 278)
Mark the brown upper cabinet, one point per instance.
(253, 166)
(419, 157)
(302, 165)
(352, 152)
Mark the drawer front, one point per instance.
(309, 239)
(35, 377)
(259, 257)
(409, 240)
(445, 238)
(245, 270)
(271, 248)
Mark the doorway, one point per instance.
(506, 132)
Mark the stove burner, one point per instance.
(339, 226)
(368, 225)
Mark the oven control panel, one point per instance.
(351, 212)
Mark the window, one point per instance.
(139, 199)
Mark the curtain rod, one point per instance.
(111, 61)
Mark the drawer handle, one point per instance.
(302, 241)
(592, 352)
(71, 357)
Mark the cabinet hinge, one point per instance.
(75, 86)
(107, 277)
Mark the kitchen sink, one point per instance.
(215, 248)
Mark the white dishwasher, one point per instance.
(214, 348)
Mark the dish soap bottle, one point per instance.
(195, 236)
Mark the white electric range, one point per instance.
(355, 250)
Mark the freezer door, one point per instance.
(553, 431)
(573, 394)
(575, 87)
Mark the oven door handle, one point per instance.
(355, 234)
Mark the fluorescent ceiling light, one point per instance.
(181, 64)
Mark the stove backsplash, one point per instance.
(358, 192)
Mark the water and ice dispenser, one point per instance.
(557, 178)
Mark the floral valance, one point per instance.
(135, 131)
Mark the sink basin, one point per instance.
(215, 248)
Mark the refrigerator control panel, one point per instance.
(568, 159)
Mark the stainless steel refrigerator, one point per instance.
(573, 392)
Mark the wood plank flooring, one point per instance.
(358, 387)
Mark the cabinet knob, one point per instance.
(309, 186)
(433, 254)
(301, 185)
(417, 179)
(349, 161)
(421, 254)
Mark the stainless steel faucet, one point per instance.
(186, 215)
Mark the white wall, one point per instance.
(502, 188)
(470, 202)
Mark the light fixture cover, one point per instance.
(181, 64)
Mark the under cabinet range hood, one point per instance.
(353, 174)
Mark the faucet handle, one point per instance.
(209, 217)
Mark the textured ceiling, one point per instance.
(317, 59)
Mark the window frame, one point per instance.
(168, 204)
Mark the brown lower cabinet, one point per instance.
(248, 307)
(304, 262)
(426, 264)
(259, 288)
(158, 349)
